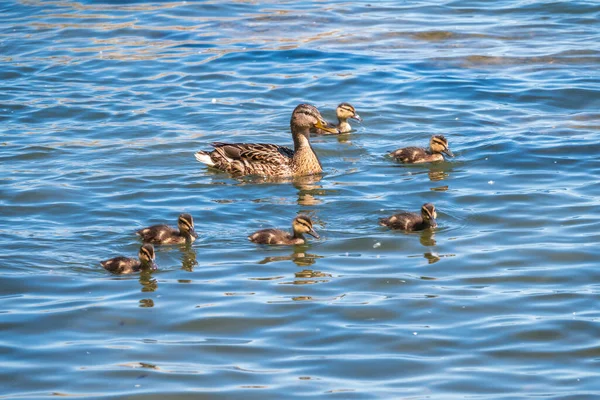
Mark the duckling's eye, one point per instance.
(185, 224)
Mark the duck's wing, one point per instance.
(156, 233)
(409, 154)
(269, 236)
(403, 220)
(252, 158)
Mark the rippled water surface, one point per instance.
(102, 106)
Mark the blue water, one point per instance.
(102, 106)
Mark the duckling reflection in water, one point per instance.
(414, 155)
(163, 234)
(343, 112)
(240, 159)
(300, 225)
(409, 221)
(300, 259)
(124, 265)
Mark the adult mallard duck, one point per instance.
(300, 225)
(343, 112)
(125, 265)
(412, 155)
(409, 221)
(272, 160)
(163, 234)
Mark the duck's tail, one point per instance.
(204, 157)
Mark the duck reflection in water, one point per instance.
(149, 284)
(300, 259)
(310, 277)
(432, 258)
(188, 259)
(427, 237)
(308, 189)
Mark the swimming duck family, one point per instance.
(241, 159)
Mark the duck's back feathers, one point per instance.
(412, 155)
(160, 234)
(274, 236)
(121, 265)
(405, 221)
(249, 158)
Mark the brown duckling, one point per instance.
(124, 265)
(241, 159)
(163, 234)
(408, 221)
(300, 225)
(343, 112)
(412, 155)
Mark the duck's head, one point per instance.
(306, 117)
(429, 214)
(345, 111)
(439, 144)
(303, 224)
(147, 256)
(185, 223)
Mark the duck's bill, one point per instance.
(449, 153)
(326, 127)
(194, 234)
(356, 117)
(313, 234)
(153, 266)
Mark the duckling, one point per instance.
(124, 265)
(300, 225)
(408, 221)
(343, 112)
(240, 159)
(163, 234)
(412, 155)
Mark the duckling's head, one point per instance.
(439, 144)
(306, 117)
(147, 256)
(429, 214)
(345, 111)
(303, 224)
(186, 225)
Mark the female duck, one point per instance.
(272, 160)
(124, 265)
(343, 112)
(408, 221)
(300, 225)
(163, 234)
(412, 155)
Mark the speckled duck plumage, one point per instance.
(413, 155)
(409, 221)
(164, 234)
(300, 225)
(125, 265)
(240, 159)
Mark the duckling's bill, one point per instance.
(314, 234)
